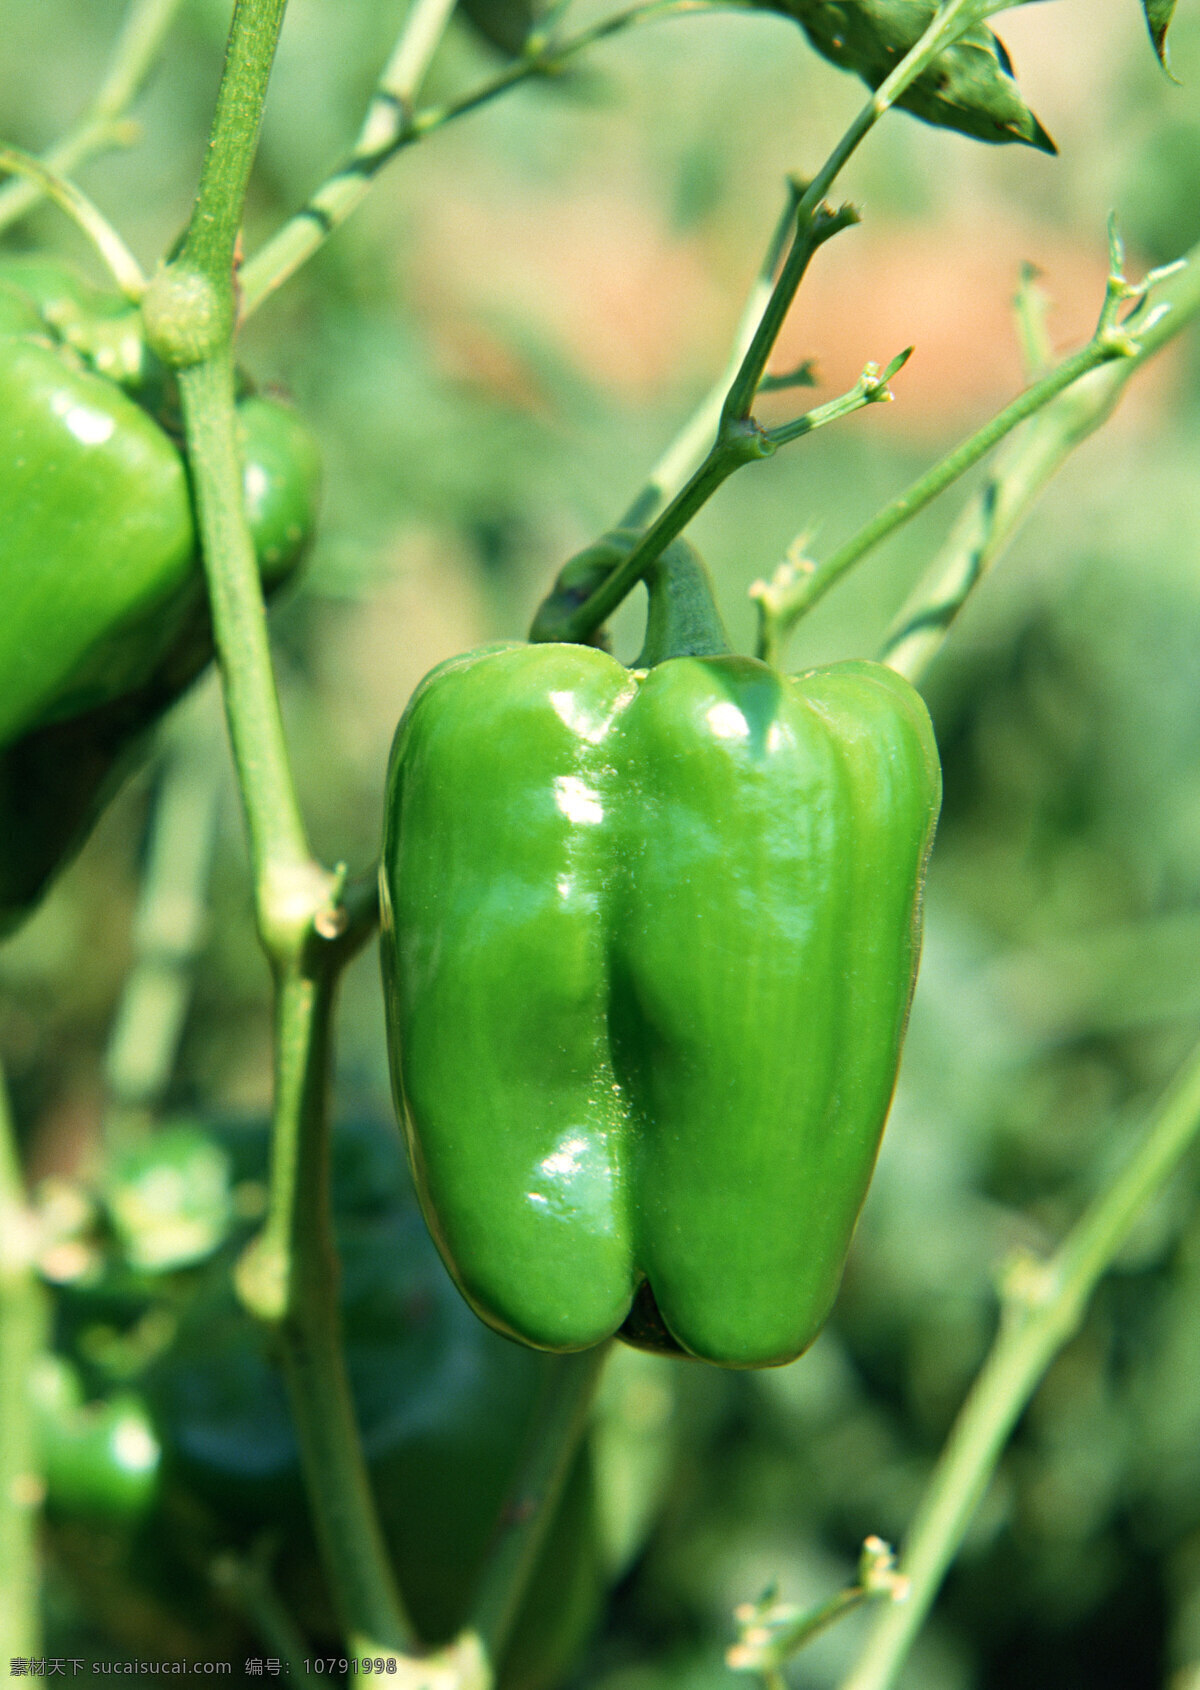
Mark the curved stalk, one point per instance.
(103, 126)
(122, 265)
(1044, 1307)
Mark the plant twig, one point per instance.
(103, 126)
(244, 1581)
(771, 1631)
(783, 601)
(992, 516)
(947, 24)
(289, 1279)
(559, 620)
(739, 439)
(123, 266)
(388, 120)
(24, 1324)
(392, 124)
(168, 925)
(687, 451)
(1043, 1306)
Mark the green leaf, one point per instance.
(1158, 20)
(969, 86)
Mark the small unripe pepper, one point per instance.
(649, 942)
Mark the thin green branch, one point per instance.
(123, 266)
(739, 438)
(388, 120)
(1036, 453)
(23, 1328)
(792, 593)
(871, 388)
(556, 620)
(815, 223)
(946, 25)
(392, 124)
(690, 446)
(738, 444)
(772, 1632)
(104, 125)
(244, 1581)
(951, 20)
(169, 925)
(1043, 1307)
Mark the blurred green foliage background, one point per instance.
(493, 352)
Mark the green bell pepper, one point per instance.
(106, 620)
(649, 943)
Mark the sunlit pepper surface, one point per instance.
(650, 939)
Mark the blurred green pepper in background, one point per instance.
(106, 622)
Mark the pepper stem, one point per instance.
(682, 619)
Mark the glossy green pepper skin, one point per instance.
(649, 943)
(106, 619)
(97, 541)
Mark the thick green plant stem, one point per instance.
(1043, 1308)
(531, 1506)
(291, 887)
(289, 1278)
(682, 618)
(992, 516)
(233, 139)
(103, 126)
(23, 1330)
